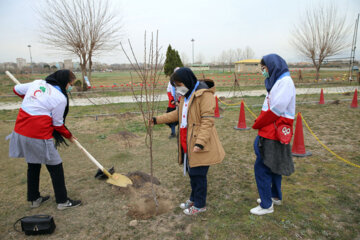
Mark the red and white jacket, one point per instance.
(41, 111)
(278, 107)
(171, 95)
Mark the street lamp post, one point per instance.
(192, 40)
(31, 65)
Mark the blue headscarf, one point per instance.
(276, 66)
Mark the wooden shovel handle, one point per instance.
(12, 77)
(92, 158)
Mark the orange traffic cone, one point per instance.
(354, 103)
(217, 113)
(322, 97)
(241, 123)
(298, 148)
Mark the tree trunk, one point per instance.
(83, 74)
(317, 73)
(90, 67)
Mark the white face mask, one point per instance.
(182, 90)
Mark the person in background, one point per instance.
(199, 145)
(273, 155)
(40, 119)
(171, 107)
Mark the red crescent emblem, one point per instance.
(36, 92)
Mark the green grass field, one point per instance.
(321, 199)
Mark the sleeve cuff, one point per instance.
(200, 146)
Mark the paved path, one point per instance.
(163, 97)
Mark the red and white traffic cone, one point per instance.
(241, 123)
(298, 148)
(217, 112)
(354, 103)
(322, 101)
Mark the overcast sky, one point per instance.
(263, 25)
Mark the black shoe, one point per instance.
(69, 204)
(39, 201)
(173, 135)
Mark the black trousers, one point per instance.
(57, 178)
(198, 182)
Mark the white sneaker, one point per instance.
(261, 211)
(275, 201)
(194, 210)
(187, 204)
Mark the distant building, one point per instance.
(248, 65)
(200, 67)
(20, 62)
(68, 64)
(8, 66)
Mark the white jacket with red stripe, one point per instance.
(278, 107)
(41, 111)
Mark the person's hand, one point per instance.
(177, 104)
(151, 122)
(72, 139)
(172, 102)
(196, 149)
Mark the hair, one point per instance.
(174, 78)
(262, 62)
(72, 76)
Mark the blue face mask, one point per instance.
(265, 73)
(69, 89)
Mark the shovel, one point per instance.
(116, 179)
(12, 77)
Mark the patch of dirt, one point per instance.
(142, 203)
(139, 179)
(335, 102)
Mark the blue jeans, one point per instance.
(198, 182)
(268, 183)
(172, 129)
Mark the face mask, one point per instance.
(69, 89)
(265, 73)
(182, 90)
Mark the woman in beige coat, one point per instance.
(199, 145)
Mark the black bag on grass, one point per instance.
(37, 224)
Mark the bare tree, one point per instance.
(222, 59)
(184, 58)
(84, 28)
(149, 73)
(248, 53)
(230, 54)
(200, 58)
(238, 54)
(321, 33)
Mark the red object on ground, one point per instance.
(241, 123)
(354, 103)
(298, 148)
(217, 113)
(322, 97)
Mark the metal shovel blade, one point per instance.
(119, 180)
(115, 179)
